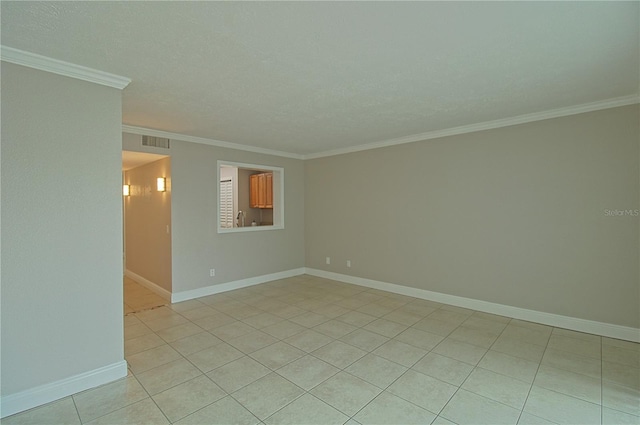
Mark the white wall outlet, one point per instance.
(212, 272)
(348, 263)
(328, 260)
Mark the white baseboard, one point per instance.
(149, 285)
(565, 322)
(237, 284)
(28, 399)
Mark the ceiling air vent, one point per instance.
(156, 142)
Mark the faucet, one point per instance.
(240, 215)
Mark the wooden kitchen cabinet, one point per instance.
(269, 190)
(261, 190)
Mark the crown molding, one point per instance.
(212, 142)
(487, 125)
(43, 63)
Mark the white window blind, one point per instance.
(226, 204)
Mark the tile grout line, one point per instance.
(601, 382)
(361, 327)
(474, 368)
(73, 400)
(534, 376)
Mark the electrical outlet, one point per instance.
(348, 263)
(328, 260)
(212, 272)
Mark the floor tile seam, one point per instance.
(377, 386)
(153, 348)
(444, 336)
(520, 409)
(273, 370)
(513, 355)
(540, 417)
(622, 364)
(146, 349)
(519, 341)
(219, 342)
(122, 408)
(476, 366)
(353, 345)
(470, 343)
(208, 371)
(230, 323)
(338, 367)
(573, 397)
(147, 321)
(266, 346)
(316, 385)
(609, 381)
(335, 407)
(601, 382)
(462, 325)
(621, 411)
(442, 408)
(526, 399)
(578, 354)
(241, 319)
(226, 394)
(161, 411)
(119, 408)
(396, 395)
(200, 373)
(262, 420)
(229, 393)
(564, 369)
(378, 333)
(459, 387)
(204, 407)
(501, 374)
(606, 342)
(137, 336)
(600, 406)
(75, 406)
(572, 338)
(571, 352)
(202, 329)
(581, 398)
(391, 393)
(374, 349)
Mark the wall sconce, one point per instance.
(126, 190)
(162, 184)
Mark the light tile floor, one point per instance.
(138, 298)
(307, 350)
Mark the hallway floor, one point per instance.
(138, 298)
(307, 350)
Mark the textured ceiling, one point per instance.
(310, 77)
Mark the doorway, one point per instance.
(146, 230)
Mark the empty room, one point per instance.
(320, 212)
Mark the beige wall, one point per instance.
(514, 216)
(61, 230)
(197, 247)
(148, 223)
